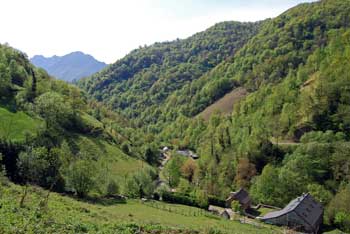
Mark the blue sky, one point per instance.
(109, 29)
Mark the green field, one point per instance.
(15, 125)
(67, 215)
(109, 156)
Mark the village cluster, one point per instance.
(303, 213)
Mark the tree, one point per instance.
(53, 108)
(112, 188)
(202, 198)
(189, 169)
(33, 165)
(140, 184)
(338, 210)
(244, 172)
(265, 188)
(319, 192)
(151, 155)
(2, 175)
(81, 176)
(5, 81)
(172, 172)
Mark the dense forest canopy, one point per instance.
(140, 83)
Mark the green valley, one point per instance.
(212, 134)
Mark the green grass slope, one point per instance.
(15, 125)
(109, 156)
(67, 215)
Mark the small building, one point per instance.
(188, 153)
(227, 214)
(215, 210)
(242, 196)
(165, 149)
(193, 155)
(303, 213)
(223, 212)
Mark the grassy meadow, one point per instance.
(65, 214)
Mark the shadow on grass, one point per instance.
(253, 212)
(104, 201)
(330, 229)
(8, 104)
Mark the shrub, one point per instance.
(342, 220)
(178, 198)
(236, 207)
(338, 210)
(216, 201)
(81, 177)
(112, 188)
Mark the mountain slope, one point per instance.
(281, 46)
(296, 72)
(139, 83)
(154, 85)
(70, 67)
(49, 131)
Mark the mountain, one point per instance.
(157, 83)
(70, 67)
(141, 82)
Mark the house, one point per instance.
(242, 197)
(302, 213)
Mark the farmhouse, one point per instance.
(242, 197)
(302, 213)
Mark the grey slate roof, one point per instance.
(242, 196)
(305, 206)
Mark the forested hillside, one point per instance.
(52, 136)
(288, 136)
(140, 83)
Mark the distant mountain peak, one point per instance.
(69, 67)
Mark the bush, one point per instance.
(81, 177)
(140, 184)
(178, 198)
(112, 188)
(338, 210)
(342, 220)
(216, 201)
(202, 199)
